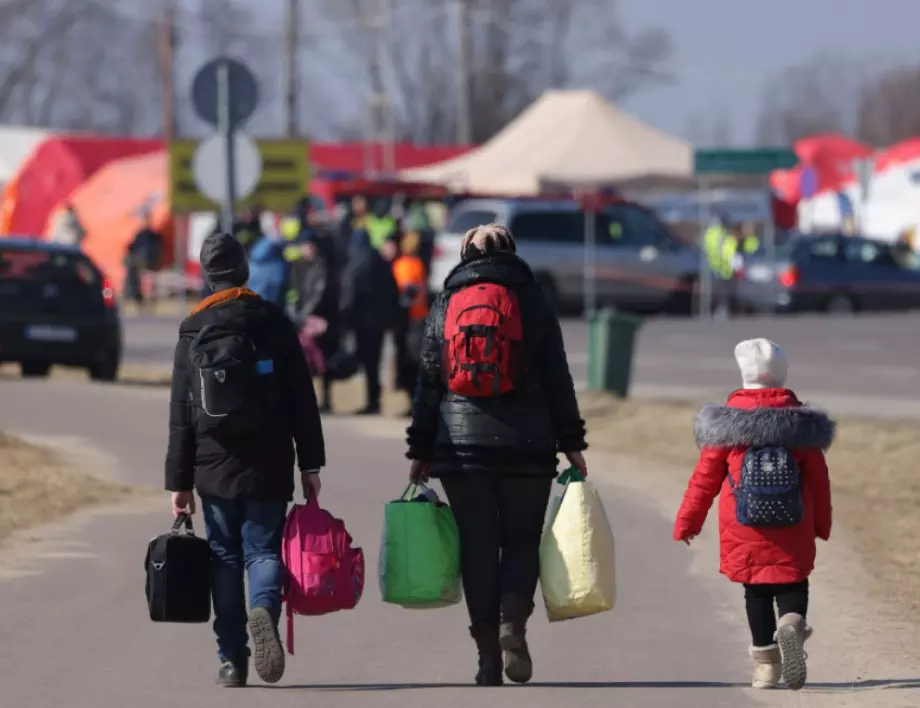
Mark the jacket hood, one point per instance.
(505, 268)
(240, 306)
(761, 417)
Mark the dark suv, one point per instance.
(56, 307)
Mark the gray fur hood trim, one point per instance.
(724, 426)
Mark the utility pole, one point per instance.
(381, 130)
(291, 40)
(464, 109)
(168, 43)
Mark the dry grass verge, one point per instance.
(873, 466)
(37, 486)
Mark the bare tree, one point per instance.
(519, 49)
(819, 96)
(889, 107)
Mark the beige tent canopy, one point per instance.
(574, 138)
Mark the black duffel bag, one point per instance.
(178, 567)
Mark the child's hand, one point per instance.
(686, 540)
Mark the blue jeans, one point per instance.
(249, 533)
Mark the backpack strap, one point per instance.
(289, 640)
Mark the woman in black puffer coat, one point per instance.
(496, 456)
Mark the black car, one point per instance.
(56, 307)
(831, 273)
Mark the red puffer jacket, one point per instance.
(770, 416)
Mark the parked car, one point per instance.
(640, 265)
(831, 273)
(56, 308)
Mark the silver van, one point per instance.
(641, 266)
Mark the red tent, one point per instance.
(55, 170)
(900, 153)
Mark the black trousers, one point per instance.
(329, 343)
(500, 521)
(369, 345)
(759, 601)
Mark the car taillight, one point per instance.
(789, 277)
(437, 251)
(108, 293)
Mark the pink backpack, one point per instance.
(324, 573)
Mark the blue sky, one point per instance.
(725, 54)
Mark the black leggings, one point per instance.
(759, 600)
(500, 521)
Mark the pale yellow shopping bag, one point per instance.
(577, 569)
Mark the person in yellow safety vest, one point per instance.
(380, 226)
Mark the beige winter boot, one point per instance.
(791, 634)
(767, 666)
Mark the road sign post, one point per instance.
(225, 94)
(226, 130)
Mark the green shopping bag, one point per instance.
(419, 565)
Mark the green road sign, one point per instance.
(743, 162)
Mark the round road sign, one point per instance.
(209, 167)
(244, 91)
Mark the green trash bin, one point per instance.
(611, 343)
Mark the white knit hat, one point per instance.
(762, 363)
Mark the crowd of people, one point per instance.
(346, 287)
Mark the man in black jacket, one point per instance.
(245, 479)
(370, 307)
(496, 455)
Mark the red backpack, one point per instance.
(483, 338)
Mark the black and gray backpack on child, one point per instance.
(235, 387)
(769, 492)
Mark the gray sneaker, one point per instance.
(267, 651)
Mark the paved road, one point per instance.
(75, 634)
(854, 365)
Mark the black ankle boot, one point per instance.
(233, 674)
(490, 655)
(516, 610)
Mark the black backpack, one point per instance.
(178, 567)
(234, 382)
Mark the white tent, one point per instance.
(566, 137)
(16, 144)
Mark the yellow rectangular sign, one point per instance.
(285, 172)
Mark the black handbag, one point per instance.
(178, 567)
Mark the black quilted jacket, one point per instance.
(518, 434)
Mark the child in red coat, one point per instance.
(772, 555)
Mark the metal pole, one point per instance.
(590, 264)
(387, 118)
(291, 37)
(769, 238)
(464, 108)
(705, 271)
(226, 130)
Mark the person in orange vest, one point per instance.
(409, 272)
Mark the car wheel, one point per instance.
(840, 305)
(34, 369)
(549, 289)
(105, 370)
